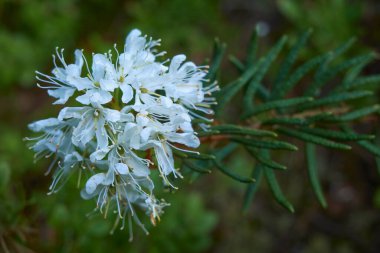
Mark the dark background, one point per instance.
(205, 215)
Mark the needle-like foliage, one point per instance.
(317, 102)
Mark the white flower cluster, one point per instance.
(131, 112)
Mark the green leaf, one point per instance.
(270, 144)
(276, 190)
(218, 52)
(356, 70)
(208, 133)
(237, 63)
(263, 66)
(313, 139)
(285, 121)
(252, 188)
(327, 133)
(230, 90)
(313, 173)
(329, 73)
(233, 129)
(277, 104)
(297, 121)
(195, 167)
(360, 82)
(252, 49)
(294, 78)
(351, 116)
(288, 62)
(220, 166)
(197, 156)
(225, 151)
(320, 73)
(370, 147)
(267, 162)
(335, 98)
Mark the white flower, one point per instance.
(99, 84)
(92, 122)
(134, 112)
(63, 84)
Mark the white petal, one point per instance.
(164, 158)
(127, 93)
(111, 115)
(187, 139)
(41, 125)
(72, 112)
(176, 62)
(127, 117)
(99, 96)
(79, 58)
(145, 134)
(99, 62)
(166, 102)
(101, 135)
(84, 99)
(99, 154)
(121, 168)
(108, 84)
(142, 120)
(139, 168)
(93, 182)
(63, 94)
(110, 177)
(81, 83)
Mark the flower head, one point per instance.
(129, 107)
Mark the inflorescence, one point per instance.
(131, 112)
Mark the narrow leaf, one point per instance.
(327, 133)
(369, 146)
(230, 90)
(289, 61)
(267, 162)
(270, 144)
(218, 52)
(264, 65)
(313, 174)
(276, 190)
(225, 151)
(297, 121)
(252, 188)
(314, 139)
(208, 133)
(362, 82)
(335, 98)
(351, 116)
(220, 166)
(195, 167)
(237, 63)
(277, 104)
(233, 129)
(252, 48)
(327, 75)
(299, 73)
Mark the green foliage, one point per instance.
(321, 115)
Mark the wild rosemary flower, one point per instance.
(126, 108)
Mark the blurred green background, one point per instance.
(205, 215)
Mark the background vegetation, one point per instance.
(206, 214)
